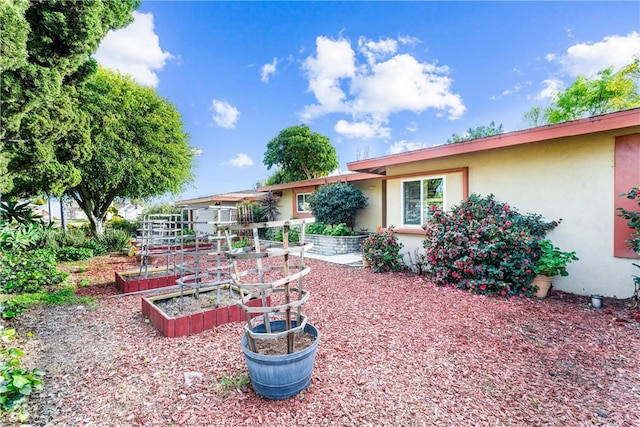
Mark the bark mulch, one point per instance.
(394, 350)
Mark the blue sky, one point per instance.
(375, 77)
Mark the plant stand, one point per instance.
(276, 376)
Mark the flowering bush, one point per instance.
(382, 250)
(484, 246)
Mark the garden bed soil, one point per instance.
(279, 346)
(413, 354)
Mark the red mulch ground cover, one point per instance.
(394, 350)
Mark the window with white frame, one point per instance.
(417, 198)
(302, 203)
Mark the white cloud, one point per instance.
(589, 58)
(241, 160)
(267, 70)
(384, 82)
(225, 115)
(362, 130)
(134, 50)
(412, 126)
(402, 146)
(551, 88)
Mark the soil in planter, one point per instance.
(191, 305)
(279, 346)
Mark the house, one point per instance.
(575, 171)
(294, 197)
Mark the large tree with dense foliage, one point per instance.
(479, 132)
(606, 92)
(46, 53)
(138, 149)
(300, 154)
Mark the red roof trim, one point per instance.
(607, 122)
(349, 177)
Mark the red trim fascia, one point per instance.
(626, 176)
(350, 177)
(607, 122)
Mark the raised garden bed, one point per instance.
(334, 245)
(154, 278)
(199, 314)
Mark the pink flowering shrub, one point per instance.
(382, 250)
(484, 246)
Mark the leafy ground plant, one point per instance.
(16, 382)
(226, 384)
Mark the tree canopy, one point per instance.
(138, 148)
(46, 52)
(606, 92)
(479, 132)
(300, 154)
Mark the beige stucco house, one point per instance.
(574, 171)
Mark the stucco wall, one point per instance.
(370, 217)
(572, 179)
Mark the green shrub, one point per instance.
(382, 250)
(316, 228)
(484, 246)
(115, 240)
(70, 253)
(16, 383)
(337, 203)
(240, 243)
(95, 246)
(338, 230)
(294, 235)
(29, 271)
(119, 223)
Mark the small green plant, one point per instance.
(84, 283)
(225, 384)
(16, 382)
(382, 250)
(316, 228)
(241, 243)
(552, 260)
(338, 230)
(70, 253)
(11, 308)
(294, 235)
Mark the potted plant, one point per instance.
(279, 344)
(552, 262)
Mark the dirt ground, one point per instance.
(394, 350)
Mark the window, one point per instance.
(417, 198)
(303, 202)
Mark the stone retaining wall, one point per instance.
(334, 245)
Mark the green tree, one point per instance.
(606, 92)
(138, 150)
(479, 132)
(337, 203)
(300, 154)
(46, 52)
